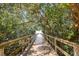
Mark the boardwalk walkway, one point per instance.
(40, 50)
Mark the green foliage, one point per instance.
(59, 20)
(52, 18)
(2, 37)
(14, 20)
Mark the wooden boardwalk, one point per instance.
(40, 50)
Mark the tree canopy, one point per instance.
(24, 19)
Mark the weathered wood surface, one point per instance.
(23, 42)
(72, 44)
(40, 50)
(2, 52)
(25, 52)
(65, 53)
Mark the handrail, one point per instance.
(72, 44)
(64, 52)
(23, 41)
(5, 43)
(28, 48)
(63, 41)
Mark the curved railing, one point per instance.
(53, 41)
(16, 45)
(28, 48)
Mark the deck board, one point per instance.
(40, 50)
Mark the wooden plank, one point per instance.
(2, 52)
(16, 51)
(65, 53)
(49, 41)
(66, 42)
(56, 47)
(28, 47)
(76, 50)
(55, 44)
(72, 44)
(63, 41)
(10, 42)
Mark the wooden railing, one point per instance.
(21, 42)
(75, 47)
(28, 48)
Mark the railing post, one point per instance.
(1, 51)
(55, 44)
(76, 50)
(23, 44)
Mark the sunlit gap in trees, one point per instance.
(39, 37)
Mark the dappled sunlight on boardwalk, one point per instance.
(40, 50)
